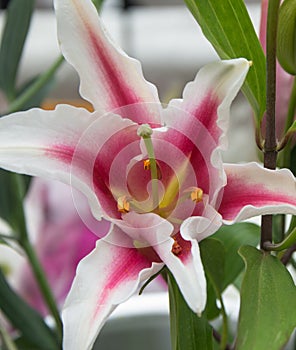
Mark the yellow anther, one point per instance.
(196, 195)
(146, 164)
(123, 205)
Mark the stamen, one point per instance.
(176, 248)
(196, 195)
(123, 205)
(146, 164)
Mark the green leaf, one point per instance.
(39, 96)
(12, 192)
(227, 25)
(18, 19)
(25, 319)
(213, 258)
(211, 311)
(268, 302)
(213, 255)
(293, 160)
(188, 331)
(98, 4)
(286, 37)
(292, 128)
(233, 237)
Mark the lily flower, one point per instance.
(154, 172)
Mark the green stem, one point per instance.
(43, 284)
(270, 144)
(6, 340)
(21, 100)
(8, 237)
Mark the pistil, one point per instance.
(145, 131)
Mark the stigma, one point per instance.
(123, 205)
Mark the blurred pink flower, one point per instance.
(61, 239)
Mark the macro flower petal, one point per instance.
(197, 124)
(37, 142)
(63, 145)
(109, 78)
(252, 190)
(108, 276)
(187, 269)
(203, 226)
(209, 96)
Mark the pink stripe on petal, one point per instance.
(120, 92)
(210, 95)
(126, 264)
(105, 278)
(187, 270)
(109, 79)
(267, 191)
(206, 113)
(61, 152)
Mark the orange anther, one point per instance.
(146, 164)
(123, 205)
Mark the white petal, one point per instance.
(105, 278)
(252, 190)
(109, 78)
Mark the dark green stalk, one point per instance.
(43, 284)
(270, 144)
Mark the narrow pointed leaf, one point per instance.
(18, 19)
(292, 128)
(286, 243)
(25, 319)
(293, 160)
(268, 302)
(188, 331)
(227, 25)
(12, 191)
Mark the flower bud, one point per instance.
(286, 40)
